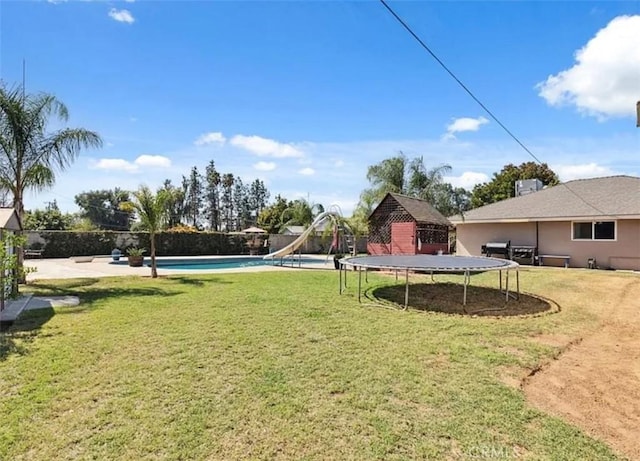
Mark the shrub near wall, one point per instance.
(198, 244)
(64, 244)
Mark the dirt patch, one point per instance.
(595, 383)
(447, 298)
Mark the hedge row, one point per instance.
(63, 244)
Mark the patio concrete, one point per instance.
(101, 267)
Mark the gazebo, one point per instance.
(402, 225)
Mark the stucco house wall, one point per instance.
(554, 237)
(470, 237)
(546, 219)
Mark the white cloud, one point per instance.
(583, 171)
(468, 179)
(157, 161)
(605, 80)
(143, 161)
(117, 164)
(121, 16)
(338, 163)
(265, 147)
(462, 124)
(55, 2)
(129, 1)
(214, 137)
(307, 171)
(264, 166)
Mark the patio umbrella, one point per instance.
(254, 230)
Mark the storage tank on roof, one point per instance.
(528, 186)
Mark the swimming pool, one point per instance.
(225, 262)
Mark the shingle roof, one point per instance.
(420, 210)
(9, 219)
(613, 196)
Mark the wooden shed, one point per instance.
(9, 222)
(402, 225)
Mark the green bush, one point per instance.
(63, 244)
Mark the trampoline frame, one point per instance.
(360, 262)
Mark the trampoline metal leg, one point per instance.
(359, 281)
(506, 286)
(406, 289)
(465, 283)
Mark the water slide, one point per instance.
(297, 243)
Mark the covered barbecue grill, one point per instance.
(497, 248)
(508, 251)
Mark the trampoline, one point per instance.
(433, 264)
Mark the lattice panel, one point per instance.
(433, 233)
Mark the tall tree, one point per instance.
(300, 213)
(51, 218)
(450, 200)
(502, 185)
(410, 177)
(212, 195)
(423, 183)
(103, 208)
(30, 153)
(194, 196)
(241, 204)
(270, 218)
(175, 197)
(258, 197)
(152, 211)
(226, 201)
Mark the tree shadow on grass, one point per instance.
(447, 298)
(28, 326)
(14, 338)
(195, 280)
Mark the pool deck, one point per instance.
(65, 268)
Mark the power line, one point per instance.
(475, 98)
(464, 87)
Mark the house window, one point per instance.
(594, 230)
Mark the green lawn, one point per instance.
(277, 365)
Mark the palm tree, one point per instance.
(300, 213)
(153, 213)
(398, 174)
(425, 183)
(31, 154)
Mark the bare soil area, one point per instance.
(595, 382)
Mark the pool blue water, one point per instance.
(220, 263)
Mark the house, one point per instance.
(584, 223)
(298, 230)
(407, 225)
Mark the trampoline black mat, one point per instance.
(440, 263)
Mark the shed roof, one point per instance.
(616, 197)
(9, 219)
(420, 210)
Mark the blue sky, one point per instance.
(306, 95)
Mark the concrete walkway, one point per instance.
(13, 308)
